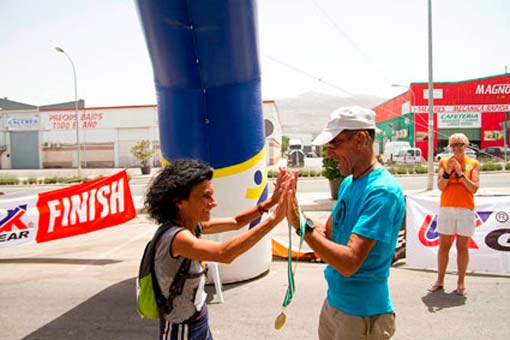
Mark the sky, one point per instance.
(336, 47)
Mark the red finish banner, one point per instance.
(86, 207)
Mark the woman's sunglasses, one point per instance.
(456, 145)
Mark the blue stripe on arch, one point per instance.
(223, 126)
(235, 132)
(205, 59)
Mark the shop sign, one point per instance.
(492, 89)
(22, 123)
(402, 133)
(463, 108)
(66, 121)
(459, 120)
(492, 135)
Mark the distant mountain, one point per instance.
(309, 112)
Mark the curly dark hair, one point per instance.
(173, 184)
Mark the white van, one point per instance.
(408, 156)
(391, 149)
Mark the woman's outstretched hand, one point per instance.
(278, 189)
(280, 211)
(292, 202)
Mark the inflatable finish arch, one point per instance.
(205, 59)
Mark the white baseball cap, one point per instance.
(346, 118)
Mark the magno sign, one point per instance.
(492, 89)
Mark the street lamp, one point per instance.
(75, 109)
(413, 97)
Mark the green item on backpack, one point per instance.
(147, 306)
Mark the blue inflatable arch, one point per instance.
(204, 55)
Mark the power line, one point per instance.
(314, 77)
(366, 58)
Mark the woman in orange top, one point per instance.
(458, 179)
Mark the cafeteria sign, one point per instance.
(459, 120)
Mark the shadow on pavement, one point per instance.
(110, 314)
(52, 260)
(439, 300)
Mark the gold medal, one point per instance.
(280, 320)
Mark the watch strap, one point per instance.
(302, 224)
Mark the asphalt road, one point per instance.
(84, 288)
(490, 181)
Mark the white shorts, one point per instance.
(460, 221)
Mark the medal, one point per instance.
(280, 320)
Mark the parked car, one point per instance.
(408, 156)
(471, 153)
(391, 149)
(447, 153)
(296, 158)
(495, 151)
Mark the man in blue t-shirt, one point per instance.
(359, 238)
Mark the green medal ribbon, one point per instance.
(291, 288)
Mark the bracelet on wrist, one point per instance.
(261, 209)
(446, 175)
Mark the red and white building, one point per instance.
(478, 108)
(34, 137)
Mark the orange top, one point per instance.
(455, 194)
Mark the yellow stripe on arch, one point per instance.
(251, 193)
(254, 193)
(164, 162)
(231, 170)
(241, 167)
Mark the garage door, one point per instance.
(24, 149)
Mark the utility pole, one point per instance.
(430, 154)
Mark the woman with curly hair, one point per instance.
(182, 195)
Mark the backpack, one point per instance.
(151, 303)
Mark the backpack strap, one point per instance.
(165, 306)
(180, 278)
(160, 299)
(175, 288)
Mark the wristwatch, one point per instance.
(309, 227)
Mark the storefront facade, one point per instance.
(478, 108)
(34, 138)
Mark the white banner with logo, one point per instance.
(489, 246)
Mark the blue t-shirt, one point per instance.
(373, 207)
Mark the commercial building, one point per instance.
(45, 137)
(478, 108)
